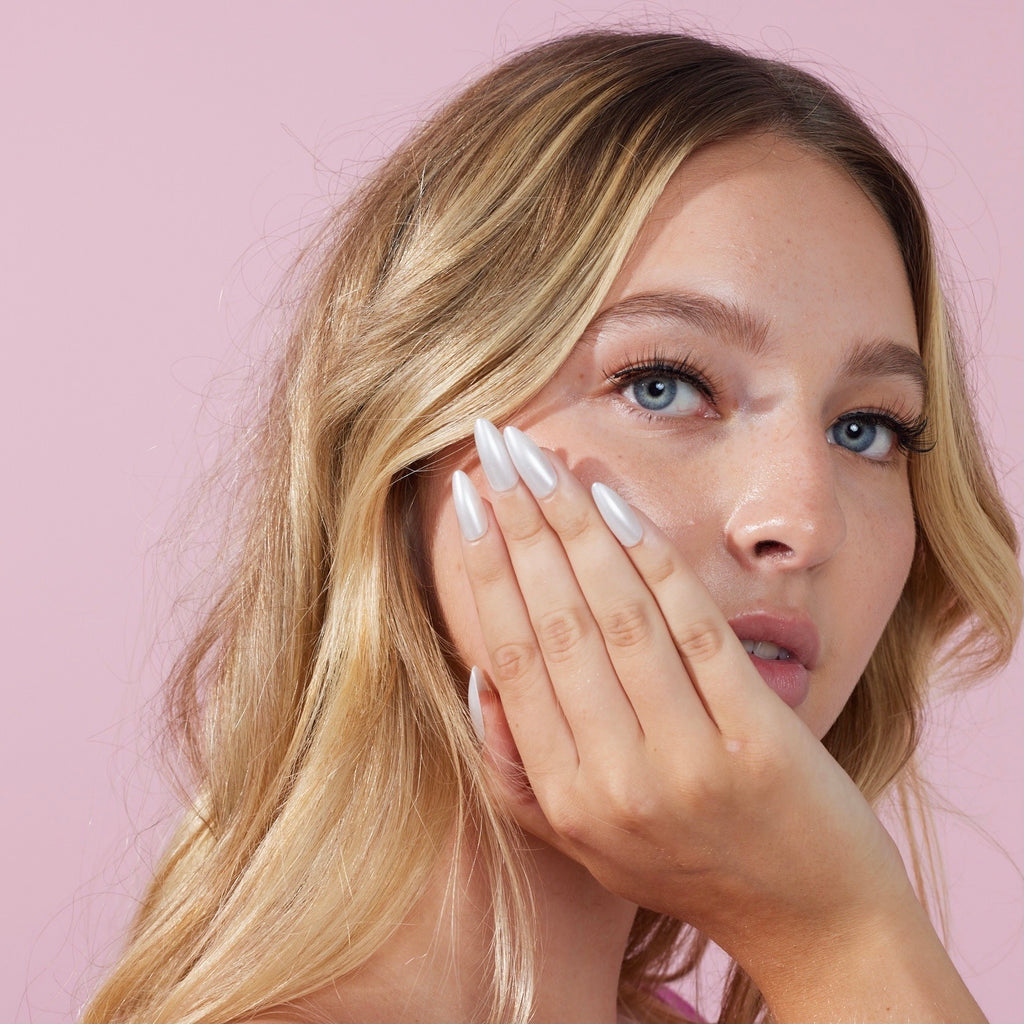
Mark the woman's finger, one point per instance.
(568, 638)
(636, 640)
(732, 691)
(506, 774)
(536, 720)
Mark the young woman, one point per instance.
(510, 729)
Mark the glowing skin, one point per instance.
(781, 501)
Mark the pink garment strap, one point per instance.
(672, 998)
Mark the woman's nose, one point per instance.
(787, 514)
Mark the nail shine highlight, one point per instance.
(618, 516)
(494, 457)
(469, 508)
(534, 466)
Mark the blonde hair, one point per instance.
(320, 704)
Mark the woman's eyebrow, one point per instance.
(733, 323)
(748, 330)
(886, 358)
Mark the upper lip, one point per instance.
(792, 630)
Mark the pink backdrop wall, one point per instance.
(162, 156)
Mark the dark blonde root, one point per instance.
(330, 751)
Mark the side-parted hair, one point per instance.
(320, 704)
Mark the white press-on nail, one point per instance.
(469, 509)
(476, 716)
(621, 519)
(537, 472)
(498, 468)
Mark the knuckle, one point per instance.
(764, 763)
(630, 806)
(627, 626)
(489, 571)
(525, 529)
(704, 796)
(512, 662)
(700, 641)
(660, 568)
(568, 820)
(561, 633)
(572, 524)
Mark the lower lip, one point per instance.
(789, 679)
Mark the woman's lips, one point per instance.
(784, 649)
(789, 679)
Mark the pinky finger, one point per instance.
(506, 775)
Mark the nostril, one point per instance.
(769, 548)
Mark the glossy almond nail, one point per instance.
(476, 715)
(537, 472)
(469, 509)
(494, 457)
(618, 516)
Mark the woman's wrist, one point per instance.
(883, 963)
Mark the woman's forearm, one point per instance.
(889, 967)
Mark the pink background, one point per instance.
(164, 156)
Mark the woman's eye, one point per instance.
(665, 394)
(863, 435)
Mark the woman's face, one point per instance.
(745, 385)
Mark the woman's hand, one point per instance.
(655, 754)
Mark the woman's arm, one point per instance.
(657, 757)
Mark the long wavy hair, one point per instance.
(319, 702)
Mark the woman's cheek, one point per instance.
(857, 601)
(685, 499)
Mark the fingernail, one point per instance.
(469, 509)
(498, 468)
(537, 472)
(621, 519)
(476, 716)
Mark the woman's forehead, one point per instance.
(764, 225)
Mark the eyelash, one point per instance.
(911, 433)
(685, 370)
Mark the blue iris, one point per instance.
(863, 436)
(655, 393)
(857, 435)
